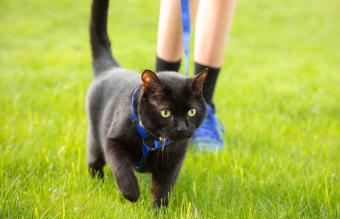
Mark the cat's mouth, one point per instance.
(176, 136)
(169, 135)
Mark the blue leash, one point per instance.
(146, 149)
(185, 9)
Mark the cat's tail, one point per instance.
(100, 42)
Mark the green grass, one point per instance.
(278, 96)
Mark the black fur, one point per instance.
(100, 43)
(112, 137)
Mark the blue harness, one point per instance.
(146, 149)
(185, 12)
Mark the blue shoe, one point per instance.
(209, 136)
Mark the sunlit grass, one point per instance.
(278, 97)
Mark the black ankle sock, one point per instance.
(162, 65)
(210, 81)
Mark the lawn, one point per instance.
(278, 97)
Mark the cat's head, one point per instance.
(172, 106)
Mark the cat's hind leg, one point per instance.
(95, 156)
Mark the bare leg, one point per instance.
(169, 42)
(213, 22)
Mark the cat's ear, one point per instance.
(150, 80)
(199, 79)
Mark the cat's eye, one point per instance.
(191, 112)
(165, 113)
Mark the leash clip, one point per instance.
(162, 139)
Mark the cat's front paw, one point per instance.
(128, 186)
(132, 196)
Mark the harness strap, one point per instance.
(146, 149)
(185, 9)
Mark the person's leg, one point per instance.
(169, 37)
(169, 42)
(213, 22)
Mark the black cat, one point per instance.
(138, 123)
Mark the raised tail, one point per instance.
(102, 58)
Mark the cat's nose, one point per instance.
(182, 127)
